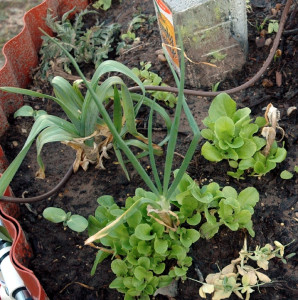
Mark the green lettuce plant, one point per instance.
(149, 249)
(220, 206)
(150, 78)
(232, 135)
(141, 246)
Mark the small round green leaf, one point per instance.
(106, 201)
(207, 134)
(279, 156)
(144, 248)
(194, 220)
(117, 283)
(286, 175)
(77, 223)
(224, 128)
(247, 150)
(119, 267)
(140, 273)
(180, 271)
(160, 246)
(222, 105)
(144, 262)
(233, 164)
(54, 214)
(211, 153)
(24, 111)
(143, 232)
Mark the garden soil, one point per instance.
(62, 262)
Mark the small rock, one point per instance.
(15, 143)
(267, 83)
(268, 42)
(161, 58)
(260, 42)
(24, 130)
(170, 291)
(274, 11)
(159, 51)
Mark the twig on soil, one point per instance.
(178, 154)
(133, 48)
(79, 283)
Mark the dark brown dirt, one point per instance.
(63, 264)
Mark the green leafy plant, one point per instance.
(90, 130)
(239, 277)
(273, 26)
(91, 45)
(150, 78)
(141, 245)
(102, 4)
(110, 220)
(57, 215)
(215, 86)
(219, 206)
(233, 137)
(217, 56)
(129, 38)
(151, 246)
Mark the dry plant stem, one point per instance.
(79, 283)
(104, 250)
(272, 117)
(241, 87)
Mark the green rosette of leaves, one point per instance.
(149, 252)
(142, 246)
(232, 135)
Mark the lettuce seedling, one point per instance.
(220, 206)
(150, 78)
(233, 136)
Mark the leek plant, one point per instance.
(163, 191)
(90, 130)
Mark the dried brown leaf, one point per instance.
(228, 269)
(263, 277)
